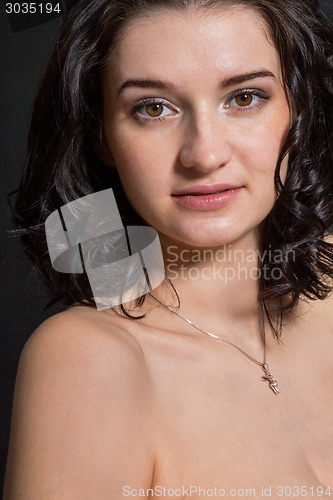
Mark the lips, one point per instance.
(200, 190)
(205, 193)
(207, 197)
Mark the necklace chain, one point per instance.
(268, 376)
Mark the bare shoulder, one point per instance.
(81, 412)
(81, 336)
(78, 345)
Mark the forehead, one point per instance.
(196, 42)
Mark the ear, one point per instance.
(101, 148)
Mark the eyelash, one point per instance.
(145, 102)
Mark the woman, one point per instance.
(215, 117)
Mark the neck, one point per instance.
(217, 287)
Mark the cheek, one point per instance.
(141, 164)
(274, 139)
(263, 147)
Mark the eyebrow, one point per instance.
(227, 82)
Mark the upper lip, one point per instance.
(202, 189)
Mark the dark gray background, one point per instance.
(23, 57)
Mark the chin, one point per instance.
(201, 238)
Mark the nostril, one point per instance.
(205, 154)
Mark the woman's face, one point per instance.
(195, 116)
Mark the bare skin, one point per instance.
(103, 402)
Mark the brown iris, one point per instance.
(154, 109)
(244, 99)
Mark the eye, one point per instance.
(150, 109)
(244, 99)
(155, 109)
(247, 100)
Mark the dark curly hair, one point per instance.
(62, 165)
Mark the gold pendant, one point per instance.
(268, 376)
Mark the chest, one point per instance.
(220, 426)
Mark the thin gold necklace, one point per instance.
(268, 376)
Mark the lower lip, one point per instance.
(208, 201)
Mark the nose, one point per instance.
(205, 147)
